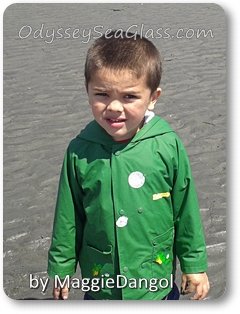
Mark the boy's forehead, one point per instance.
(106, 78)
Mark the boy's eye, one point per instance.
(131, 96)
(101, 94)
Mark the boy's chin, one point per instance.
(120, 138)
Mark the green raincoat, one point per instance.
(127, 209)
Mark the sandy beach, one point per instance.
(45, 106)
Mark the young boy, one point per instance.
(127, 205)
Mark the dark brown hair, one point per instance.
(125, 50)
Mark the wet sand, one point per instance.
(45, 105)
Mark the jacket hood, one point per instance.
(93, 132)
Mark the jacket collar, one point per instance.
(93, 132)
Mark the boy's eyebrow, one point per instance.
(135, 92)
(100, 88)
(125, 91)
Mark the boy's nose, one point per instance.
(115, 105)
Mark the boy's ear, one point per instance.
(86, 86)
(154, 97)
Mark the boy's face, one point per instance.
(119, 101)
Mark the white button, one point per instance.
(136, 179)
(122, 221)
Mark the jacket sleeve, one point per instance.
(68, 222)
(189, 236)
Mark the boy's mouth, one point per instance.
(116, 123)
(116, 120)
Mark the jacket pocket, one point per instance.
(94, 262)
(162, 255)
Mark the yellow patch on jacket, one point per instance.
(160, 195)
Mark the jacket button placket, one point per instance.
(120, 214)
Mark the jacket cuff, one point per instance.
(61, 272)
(190, 269)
